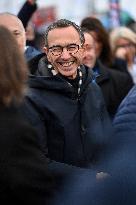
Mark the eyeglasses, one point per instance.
(71, 49)
(128, 45)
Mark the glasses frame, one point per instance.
(67, 47)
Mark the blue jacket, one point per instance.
(73, 129)
(125, 130)
(31, 52)
(125, 118)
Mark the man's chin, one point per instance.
(70, 75)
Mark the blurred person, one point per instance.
(34, 38)
(25, 14)
(103, 47)
(24, 176)
(14, 24)
(64, 103)
(118, 188)
(123, 43)
(89, 58)
(26, 11)
(125, 118)
(101, 36)
(114, 84)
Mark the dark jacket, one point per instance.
(26, 12)
(24, 176)
(114, 84)
(72, 128)
(120, 65)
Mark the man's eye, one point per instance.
(72, 48)
(17, 34)
(56, 49)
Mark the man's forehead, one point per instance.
(12, 22)
(64, 35)
(8, 17)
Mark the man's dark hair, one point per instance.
(63, 23)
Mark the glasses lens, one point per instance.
(56, 50)
(72, 48)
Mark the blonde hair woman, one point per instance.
(123, 44)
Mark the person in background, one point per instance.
(26, 12)
(34, 39)
(101, 36)
(24, 176)
(64, 103)
(90, 56)
(123, 44)
(114, 84)
(103, 47)
(14, 24)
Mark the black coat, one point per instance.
(72, 128)
(26, 12)
(23, 167)
(115, 85)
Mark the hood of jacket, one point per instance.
(41, 76)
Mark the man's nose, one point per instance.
(65, 54)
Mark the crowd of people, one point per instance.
(67, 113)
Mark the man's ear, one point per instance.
(45, 50)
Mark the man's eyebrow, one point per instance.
(70, 44)
(56, 46)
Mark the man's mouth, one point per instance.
(66, 64)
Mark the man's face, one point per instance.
(16, 28)
(89, 58)
(67, 62)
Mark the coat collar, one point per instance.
(103, 73)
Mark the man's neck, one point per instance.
(72, 77)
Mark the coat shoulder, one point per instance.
(126, 115)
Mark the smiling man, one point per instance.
(64, 103)
(65, 55)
